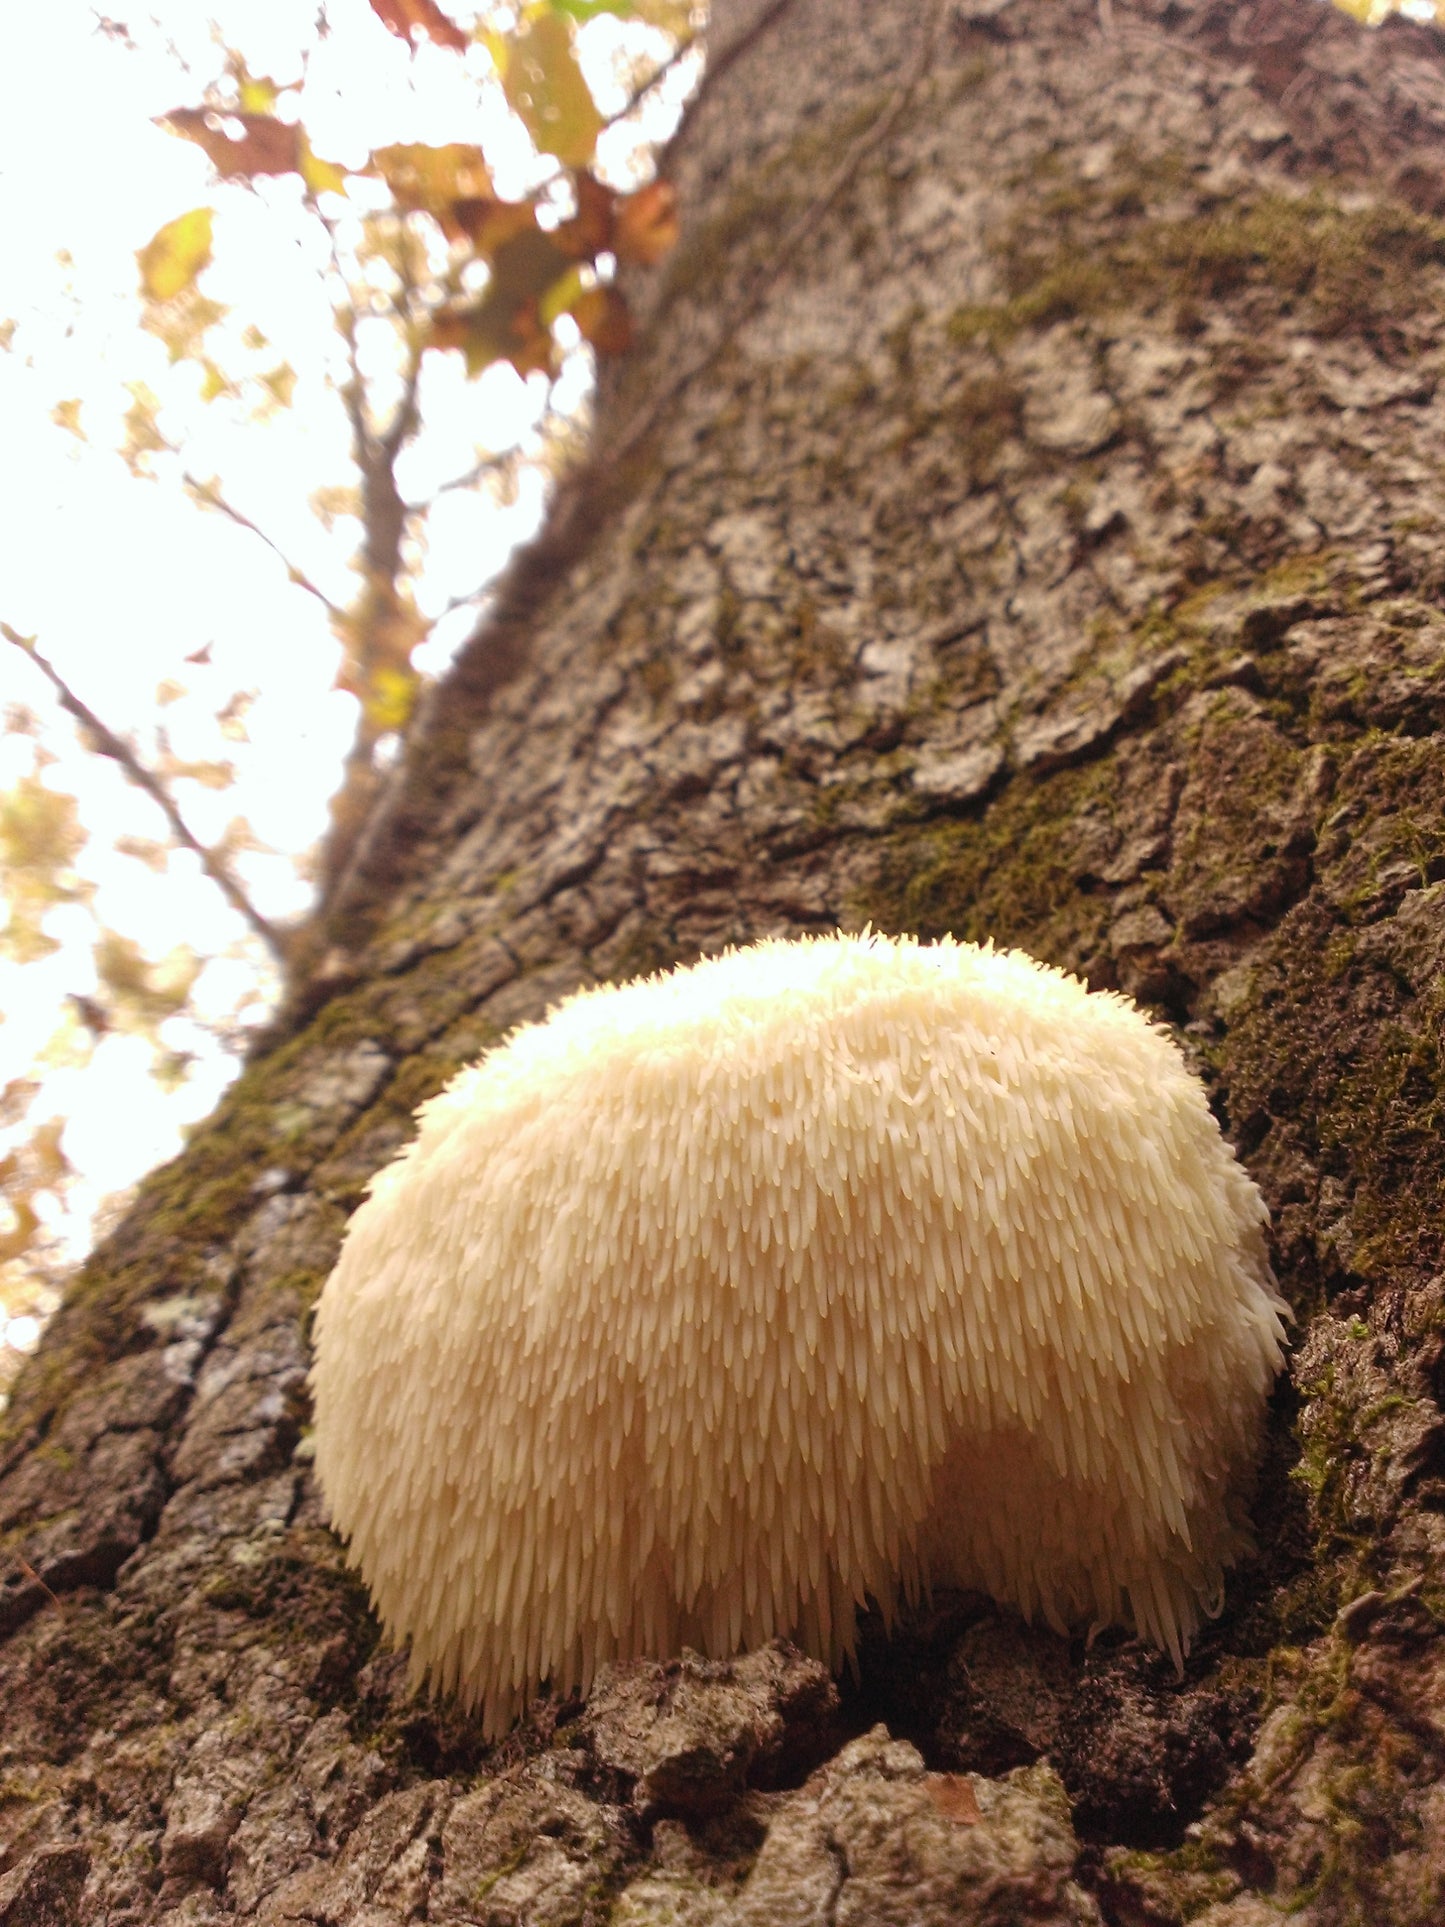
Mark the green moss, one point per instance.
(1334, 1039)
(985, 413)
(1003, 875)
(709, 259)
(1342, 269)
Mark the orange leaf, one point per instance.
(589, 232)
(646, 225)
(407, 18)
(601, 314)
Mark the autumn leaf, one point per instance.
(257, 93)
(488, 224)
(40, 837)
(264, 145)
(143, 993)
(589, 232)
(434, 180)
(674, 17)
(182, 322)
(66, 415)
(143, 436)
(391, 698)
(19, 1237)
(175, 254)
(583, 10)
(495, 330)
(545, 88)
(506, 324)
(407, 18)
(601, 314)
(646, 226)
(280, 384)
(322, 177)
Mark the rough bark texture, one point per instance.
(1023, 518)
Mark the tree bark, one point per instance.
(1022, 517)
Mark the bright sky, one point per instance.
(120, 580)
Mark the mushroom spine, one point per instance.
(721, 1300)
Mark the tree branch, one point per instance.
(108, 744)
(210, 496)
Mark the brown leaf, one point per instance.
(954, 1797)
(497, 328)
(489, 224)
(601, 314)
(506, 324)
(589, 232)
(407, 18)
(646, 226)
(264, 145)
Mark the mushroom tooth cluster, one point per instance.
(720, 1301)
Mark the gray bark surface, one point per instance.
(1022, 517)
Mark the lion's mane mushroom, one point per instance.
(719, 1301)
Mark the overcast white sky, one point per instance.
(120, 580)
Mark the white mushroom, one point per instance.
(719, 1301)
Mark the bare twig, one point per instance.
(455, 602)
(108, 744)
(483, 466)
(34, 1577)
(353, 390)
(210, 495)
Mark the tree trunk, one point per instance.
(1021, 518)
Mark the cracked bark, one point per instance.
(1045, 544)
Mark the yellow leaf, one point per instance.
(675, 17)
(66, 415)
(545, 89)
(322, 177)
(173, 257)
(429, 179)
(280, 384)
(258, 95)
(391, 696)
(560, 297)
